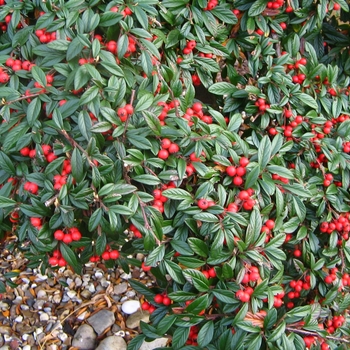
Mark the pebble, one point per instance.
(130, 306)
(113, 342)
(133, 320)
(26, 347)
(85, 294)
(130, 294)
(120, 288)
(125, 276)
(41, 294)
(84, 338)
(44, 317)
(72, 293)
(157, 343)
(102, 320)
(5, 330)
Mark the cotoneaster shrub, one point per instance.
(212, 136)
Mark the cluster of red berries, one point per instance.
(196, 110)
(167, 147)
(162, 299)
(45, 37)
(190, 169)
(246, 197)
(109, 253)
(83, 61)
(252, 274)
(190, 46)
(166, 108)
(112, 46)
(159, 199)
(192, 336)
(47, 151)
(14, 217)
(340, 224)
(36, 222)
(31, 187)
(244, 295)
(237, 173)
(345, 280)
(267, 228)
(328, 179)
(204, 203)
(211, 5)
(296, 287)
(333, 324)
(125, 12)
(276, 4)
(135, 231)
(262, 105)
(125, 112)
(299, 77)
(57, 259)
(346, 147)
(210, 273)
(17, 64)
(277, 177)
(71, 234)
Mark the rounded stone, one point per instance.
(113, 342)
(84, 338)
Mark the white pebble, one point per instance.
(72, 294)
(44, 317)
(130, 306)
(26, 347)
(41, 294)
(19, 319)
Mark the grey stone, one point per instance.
(157, 343)
(133, 320)
(113, 342)
(84, 338)
(101, 321)
(120, 288)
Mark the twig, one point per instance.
(330, 337)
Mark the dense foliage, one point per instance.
(212, 136)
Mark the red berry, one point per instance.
(166, 301)
(114, 254)
(202, 204)
(163, 154)
(145, 305)
(145, 267)
(231, 170)
(58, 234)
(158, 298)
(67, 238)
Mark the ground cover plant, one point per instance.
(212, 136)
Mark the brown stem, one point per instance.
(21, 98)
(177, 113)
(132, 98)
(330, 337)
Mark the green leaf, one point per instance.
(199, 304)
(264, 152)
(144, 102)
(179, 337)
(77, 165)
(177, 193)
(257, 8)
(71, 258)
(222, 88)
(308, 100)
(135, 343)
(197, 279)
(147, 179)
(33, 111)
(225, 14)
(298, 189)
(156, 256)
(198, 246)
(142, 289)
(6, 164)
(6, 202)
(174, 271)
(39, 75)
(206, 333)
(95, 219)
(74, 49)
(101, 243)
(281, 171)
(252, 177)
